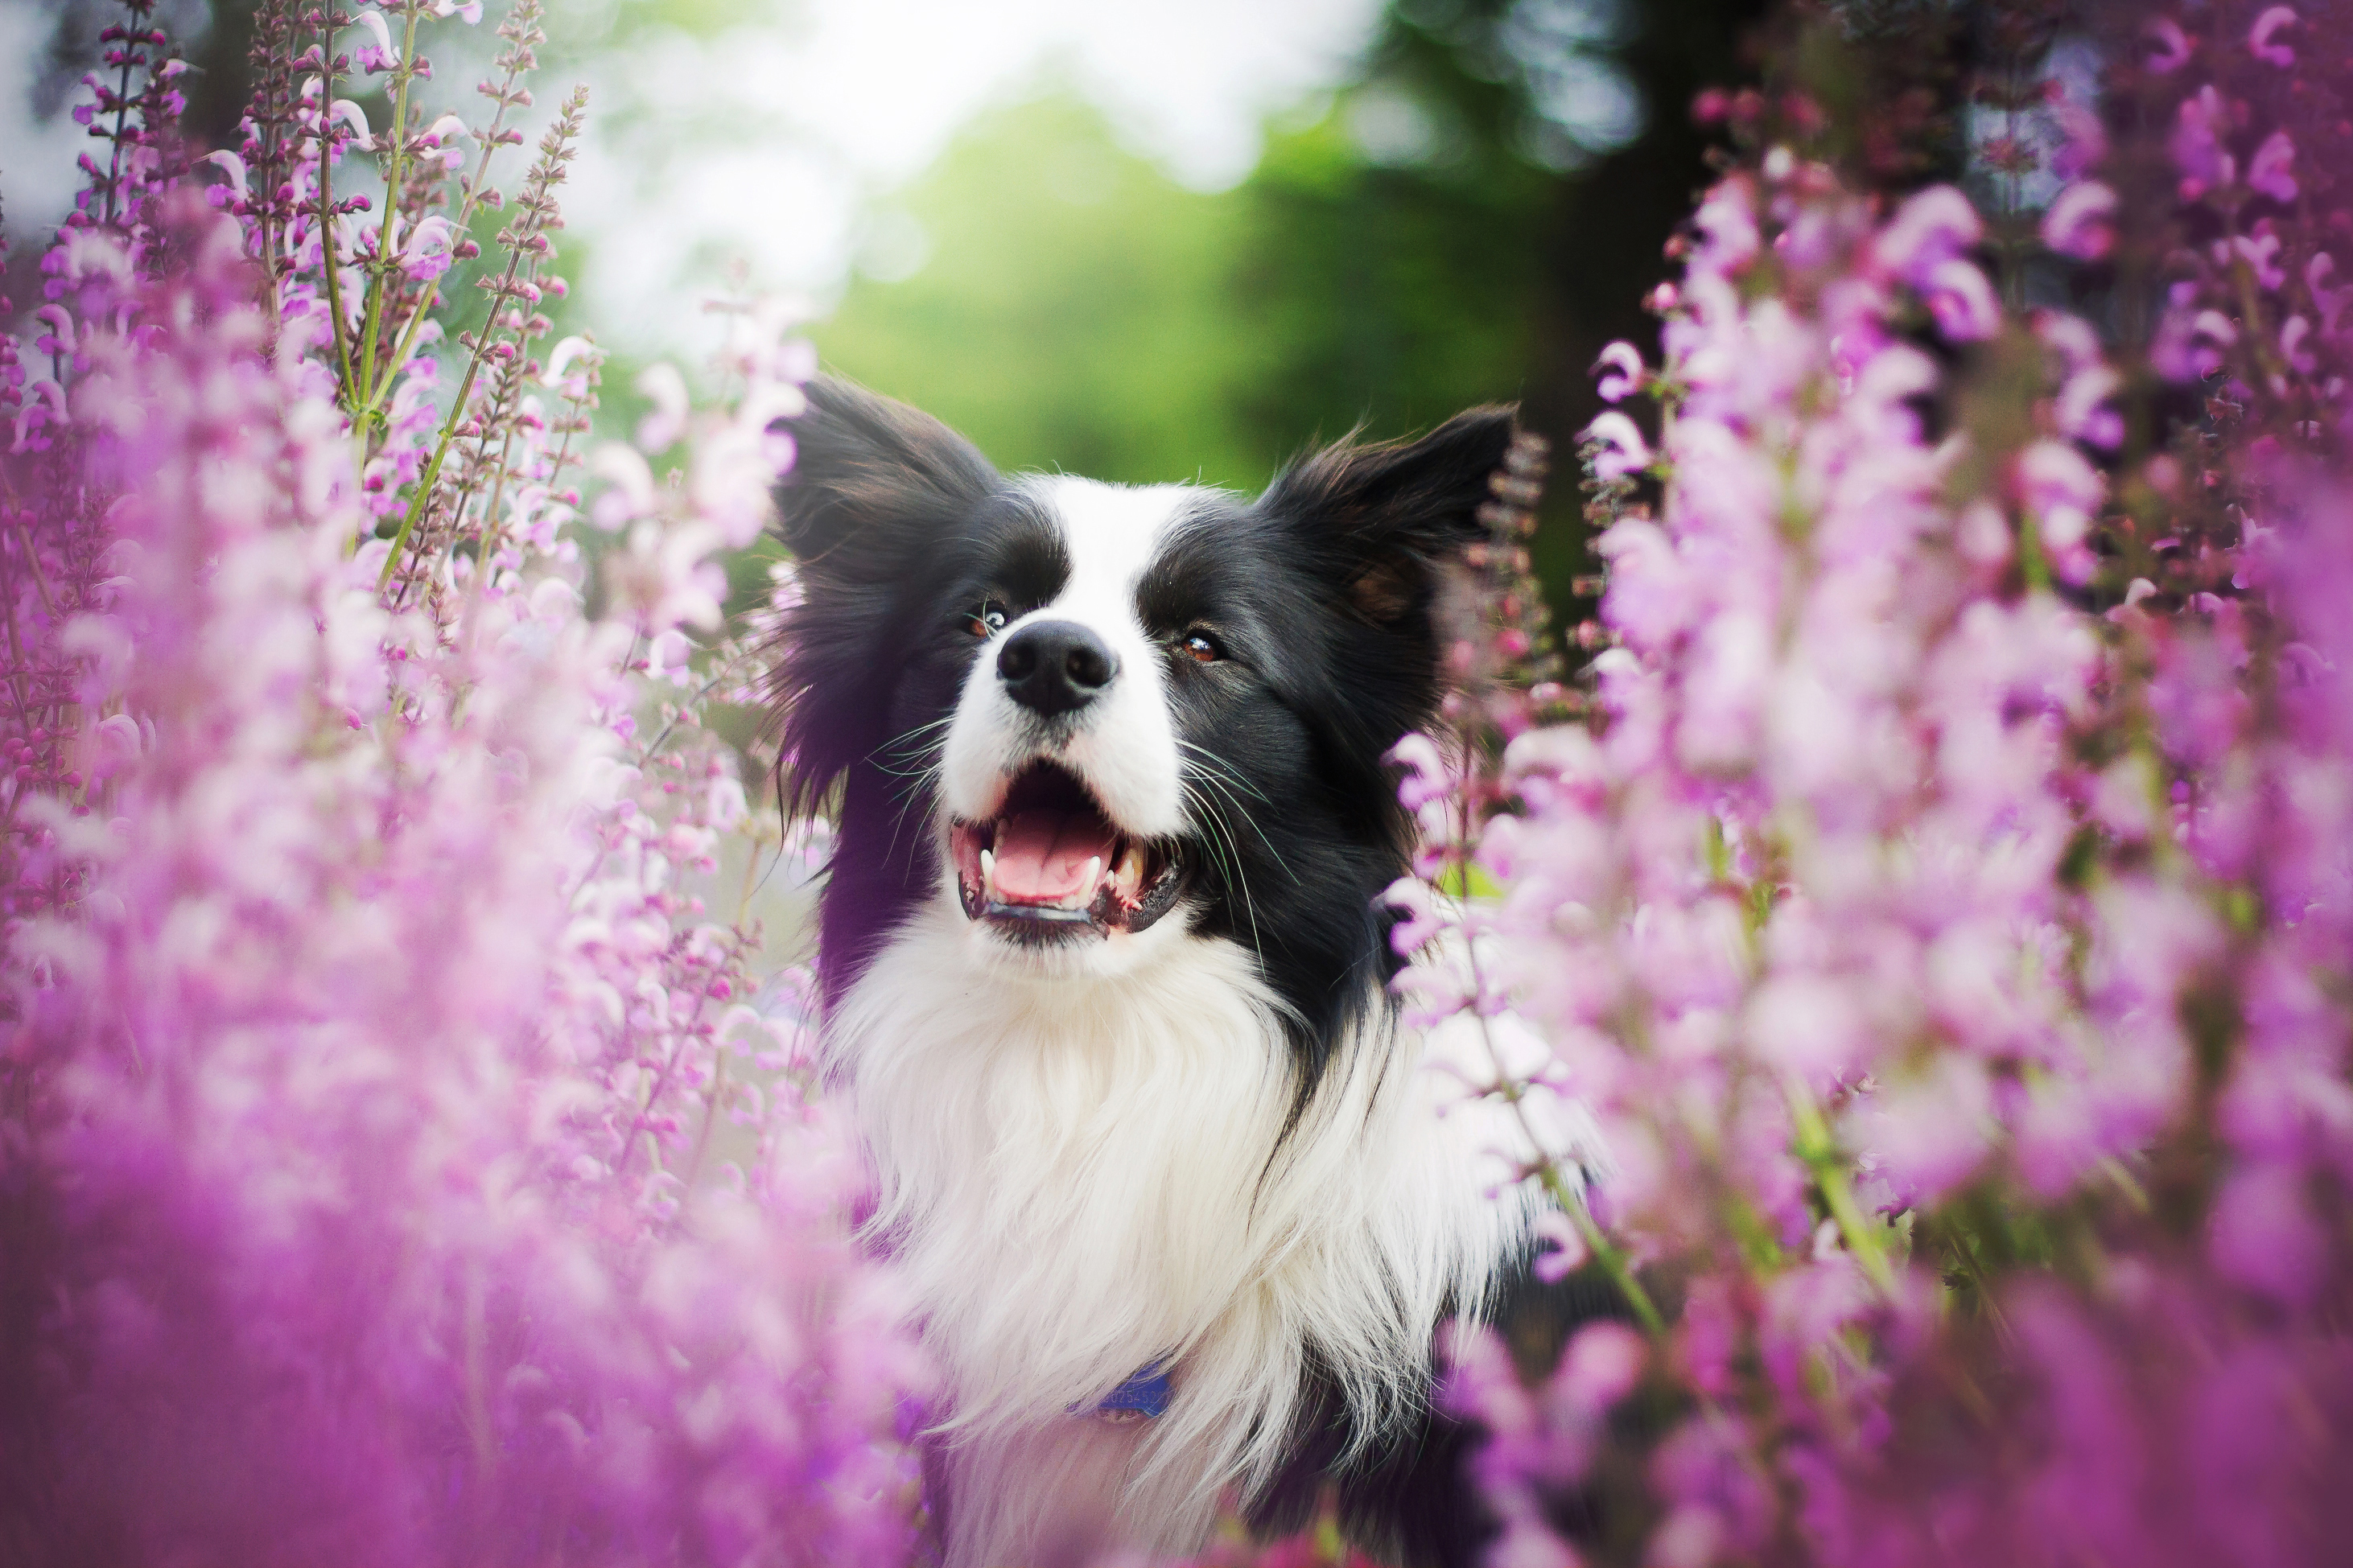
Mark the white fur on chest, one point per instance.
(1081, 1174)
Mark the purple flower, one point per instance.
(1933, 228)
(2081, 223)
(1620, 446)
(2261, 251)
(2197, 144)
(2269, 172)
(1887, 884)
(2268, 27)
(383, 1218)
(2172, 46)
(378, 54)
(1962, 301)
(1627, 376)
(2264, 1237)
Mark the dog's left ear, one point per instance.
(877, 486)
(1376, 520)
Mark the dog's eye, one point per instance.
(984, 620)
(1202, 647)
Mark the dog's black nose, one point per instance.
(1053, 667)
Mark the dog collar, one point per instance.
(1143, 1397)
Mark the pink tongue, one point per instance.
(1041, 855)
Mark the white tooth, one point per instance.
(1087, 883)
(1130, 874)
(987, 875)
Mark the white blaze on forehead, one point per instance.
(1124, 745)
(1113, 532)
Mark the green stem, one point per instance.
(2034, 566)
(1608, 1254)
(1820, 1153)
(327, 212)
(406, 346)
(387, 255)
(432, 472)
(489, 542)
(424, 493)
(473, 199)
(121, 122)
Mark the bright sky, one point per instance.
(36, 161)
(770, 142)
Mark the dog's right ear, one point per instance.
(874, 486)
(873, 480)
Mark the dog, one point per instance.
(1106, 976)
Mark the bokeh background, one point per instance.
(1138, 239)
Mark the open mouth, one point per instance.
(1051, 867)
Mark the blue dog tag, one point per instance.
(1142, 1397)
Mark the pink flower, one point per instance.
(2189, 345)
(2084, 137)
(1926, 1134)
(1562, 1244)
(378, 54)
(1962, 301)
(1621, 446)
(663, 387)
(2172, 46)
(2267, 27)
(1651, 597)
(2330, 301)
(427, 1034)
(232, 165)
(1727, 224)
(1599, 1369)
(353, 116)
(2081, 411)
(2264, 1237)
(1930, 229)
(2081, 223)
(1625, 376)
(2260, 251)
(2269, 171)
(2197, 147)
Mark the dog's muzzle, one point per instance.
(1051, 867)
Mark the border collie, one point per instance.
(1106, 975)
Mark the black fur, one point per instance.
(1407, 1496)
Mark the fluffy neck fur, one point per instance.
(1080, 1177)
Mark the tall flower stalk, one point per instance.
(1941, 897)
(400, 1161)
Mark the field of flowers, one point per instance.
(1934, 864)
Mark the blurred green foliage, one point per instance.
(1068, 314)
(1424, 240)
(1079, 309)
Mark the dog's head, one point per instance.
(1097, 721)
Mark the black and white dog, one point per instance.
(1105, 974)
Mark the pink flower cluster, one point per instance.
(398, 1163)
(1944, 901)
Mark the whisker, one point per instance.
(1223, 769)
(921, 742)
(1240, 810)
(897, 822)
(1226, 778)
(908, 741)
(1229, 856)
